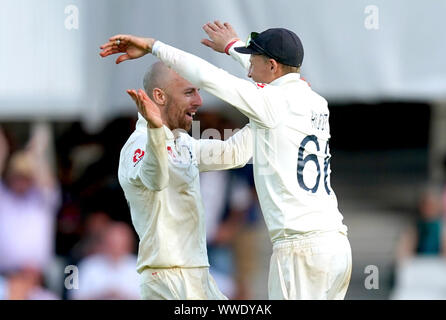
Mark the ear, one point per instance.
(273, 65)
(159, 96)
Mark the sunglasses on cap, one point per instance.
(256, 47)
(252, 36)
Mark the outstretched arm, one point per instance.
(214, 154)
(224, 39)
(242, 94)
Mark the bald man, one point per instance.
(159, 172)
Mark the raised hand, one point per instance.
(220, 35)
(147, 108)
(133, 47)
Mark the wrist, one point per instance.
(153, 126)
(230, 44)
(149, 44)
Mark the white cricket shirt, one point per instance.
(291, 132)
(159, 173)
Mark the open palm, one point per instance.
(147, 108)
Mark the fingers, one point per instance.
(141, 95)
(207, 43)
(219, 24)
(112, 47)
(135, 98)
(121, 37)
(133, 95)
(145, 99)
(109, 49)
(143, 102)
(106, 53)
(124, 39)
(122, 58)
(219, 29)
(210, 32)
(107, 45)
(212, 26)
(229, 27)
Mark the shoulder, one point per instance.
(134, 149)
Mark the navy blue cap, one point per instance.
(280, 44)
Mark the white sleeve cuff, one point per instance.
(155, 47)
(239, 43)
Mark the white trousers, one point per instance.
(310, 268)
(179, 284)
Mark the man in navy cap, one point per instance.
(311, 252)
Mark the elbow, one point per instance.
(240, 159)
(245, 161)
(248, 161)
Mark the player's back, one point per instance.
(292, 164)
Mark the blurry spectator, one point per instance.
(24, 284)
(110, 273)
(94, 226)
(419, 271)
(29, 198)
(88, 164)
(427, 235)
(27, 284)
(444, 189)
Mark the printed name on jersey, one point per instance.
(260, 85)
(137, 156)
(319, 121)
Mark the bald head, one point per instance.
(157, 76)
(177, 98)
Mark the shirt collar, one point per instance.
(289, 77)
(141, 125)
